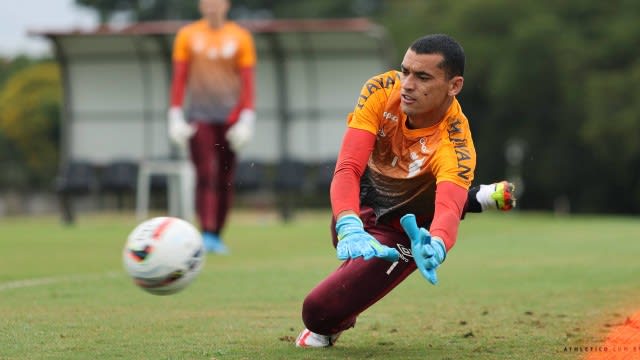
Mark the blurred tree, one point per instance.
(140, 10)
(611, 102)
(314, 8)
(30, 117)
(8, 67)
(104, 8)
(12, 168)
(559, 76)
(146, 10)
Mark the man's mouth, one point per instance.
(407, 99)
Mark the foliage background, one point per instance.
(557, 78)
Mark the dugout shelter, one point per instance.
(116, 84)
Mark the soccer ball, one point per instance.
(163, 255)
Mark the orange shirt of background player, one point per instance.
(214, 57)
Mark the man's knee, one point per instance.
(323, 316)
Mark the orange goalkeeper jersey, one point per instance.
(406, 164)
(215, 57)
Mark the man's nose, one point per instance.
(407, 83)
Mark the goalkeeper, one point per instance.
(400, 187)
(213, 60)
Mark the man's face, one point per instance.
(214, 10)
(425, 87)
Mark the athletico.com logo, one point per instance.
(603, 349)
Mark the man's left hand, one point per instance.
(240, 133)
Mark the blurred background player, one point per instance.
(407, 150)
(213, 61)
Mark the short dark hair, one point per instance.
(445, 45)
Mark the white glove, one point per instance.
(179, 130)
(241, 132)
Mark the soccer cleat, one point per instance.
(504, 195)
(500, 196)
(213, 244)
(309, 339)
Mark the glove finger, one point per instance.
(377, 250)
(354, 250)
(425, 236)
(342, 251)
(431, 263)
(431, 276)
(366, 250)
(428, 274)
(389, 254)
(428, 251)
(410, 227)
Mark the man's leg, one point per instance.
(206, 162)
(226, 175)
(333, 305)
(202, 155)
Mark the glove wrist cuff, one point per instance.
(346, 217)
(347, 224)
(247, 116)
(439, 245)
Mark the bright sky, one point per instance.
(18, 17)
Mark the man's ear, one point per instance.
(455, 85)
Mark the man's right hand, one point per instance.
(428, 252)
(354, 242)
(179, 130)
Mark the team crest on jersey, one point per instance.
(423, 146)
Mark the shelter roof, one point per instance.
(255, 26)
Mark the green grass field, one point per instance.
(516, 286)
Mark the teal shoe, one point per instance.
(213, 244)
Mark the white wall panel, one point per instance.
(118, 88)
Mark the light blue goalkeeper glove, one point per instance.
(354, 242)
(428, 252)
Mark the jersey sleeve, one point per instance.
(370, 107)
(247, 53)
(357, 146)
(179, 82)
(181, 51)
(455, 161)
(450, 200)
